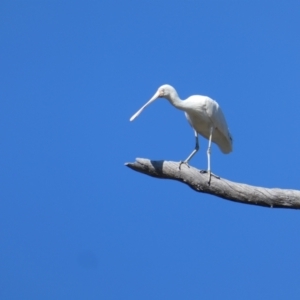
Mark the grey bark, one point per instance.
(223, 188)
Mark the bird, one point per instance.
(205, 117)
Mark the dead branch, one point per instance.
(223, 188)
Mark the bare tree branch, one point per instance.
(238, 192)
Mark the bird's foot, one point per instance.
(212, 174)
(183, 162)
(209, 175)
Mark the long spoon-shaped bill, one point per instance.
(156, 95)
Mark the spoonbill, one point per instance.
(204, 115)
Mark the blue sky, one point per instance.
(75, 223)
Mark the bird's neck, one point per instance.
(175, 101)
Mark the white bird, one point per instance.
(204, 115)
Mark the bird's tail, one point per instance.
(225, 143)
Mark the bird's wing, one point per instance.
(190, 122)
(217, 117)
(188, 118)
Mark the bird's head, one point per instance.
(165, 91)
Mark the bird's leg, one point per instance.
(186, 162)
(208, 152)
(208, 157)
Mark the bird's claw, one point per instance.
(209, 175)
(183, 162)
(212, 174)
